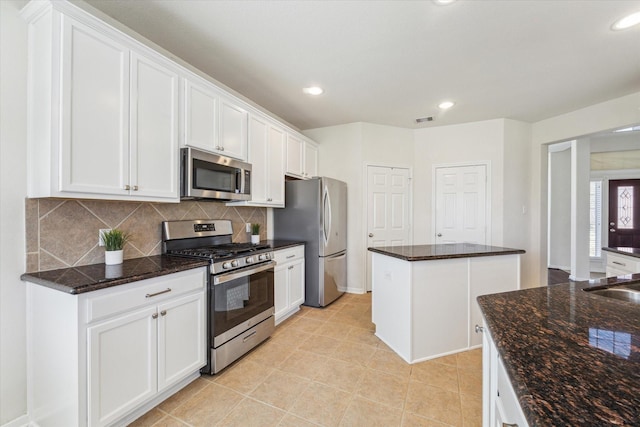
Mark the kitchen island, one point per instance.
(571, 357)
(424, 296)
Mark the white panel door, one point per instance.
(460, 208)
(201, 115)
(388, 216)
(294, 156)
(258, 157)
(276, 159)
(154, 129)
(95, 112)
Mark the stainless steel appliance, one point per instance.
(240, 296)
(210, 176)
(316, 213)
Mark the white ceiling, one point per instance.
(390, 62)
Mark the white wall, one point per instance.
(343, 153)
(560, 208)
(13, 91)
(613, 114)
(469, 142)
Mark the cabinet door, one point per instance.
(489, 275)
(181, 339)
(294, 156)
(310, 160)
(95, 112)
(258, 157)
(154, 129)
(200, 115)
(277, 138)
(233, 130)
(295, 280)
(122, 365)
(281, 290)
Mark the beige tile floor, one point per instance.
(325, 367)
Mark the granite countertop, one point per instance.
(443, 251)
(88, 278)
(634, 252)
(573, 357)
(282, 244)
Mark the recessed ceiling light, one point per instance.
(313, 90)
(626, 22)
(446, 105)
(443, 1)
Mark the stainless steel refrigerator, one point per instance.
(316, 213)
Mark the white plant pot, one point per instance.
(113, 271)
(255, 239)
(113, 257)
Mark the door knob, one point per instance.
(613, 230)
(612, 224)
(439, 234)
(370, 234)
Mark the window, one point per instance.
(595, 219)
(625, 207)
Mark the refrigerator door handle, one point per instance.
(326, 221)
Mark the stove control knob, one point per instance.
(234, 263)
(263, 257)
(249, 260)
(226, 265)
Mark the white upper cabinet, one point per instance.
(201, 114)
(108, 126)
(214, 122)
(154, 129)
(266, 155)
(302, 157)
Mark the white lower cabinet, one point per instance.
(119, 351)
(500, 403)
(620, 265)
(289, 282)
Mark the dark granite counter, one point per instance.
(87, 278)
(634, 252)
(443, 251)
(282, 244)
(573, 357)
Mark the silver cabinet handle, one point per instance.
(154, 316)
(163, 313)
(509, 425)
(290, 256)
(479, 329)
(619, 263)
(290, 267)
(158, 293)
(370, 234)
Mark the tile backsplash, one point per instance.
(63, 233)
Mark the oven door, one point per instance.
(240, 299)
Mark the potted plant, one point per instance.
(114, 241)
(255, 233)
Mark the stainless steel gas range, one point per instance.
(240, 292)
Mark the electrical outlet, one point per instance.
(248, 227)
(102, 230)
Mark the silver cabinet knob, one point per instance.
(127, 187)
(439, 234)
(135, 188)
(163, 313)
(221, 148)
(479, 329)
(370, 234)
(154, 316)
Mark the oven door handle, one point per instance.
(224, 278)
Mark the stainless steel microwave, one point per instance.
(210, 176)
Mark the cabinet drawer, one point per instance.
(149, 291)
(290, 254)
(624, 263)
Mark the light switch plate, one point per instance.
(248, 227)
